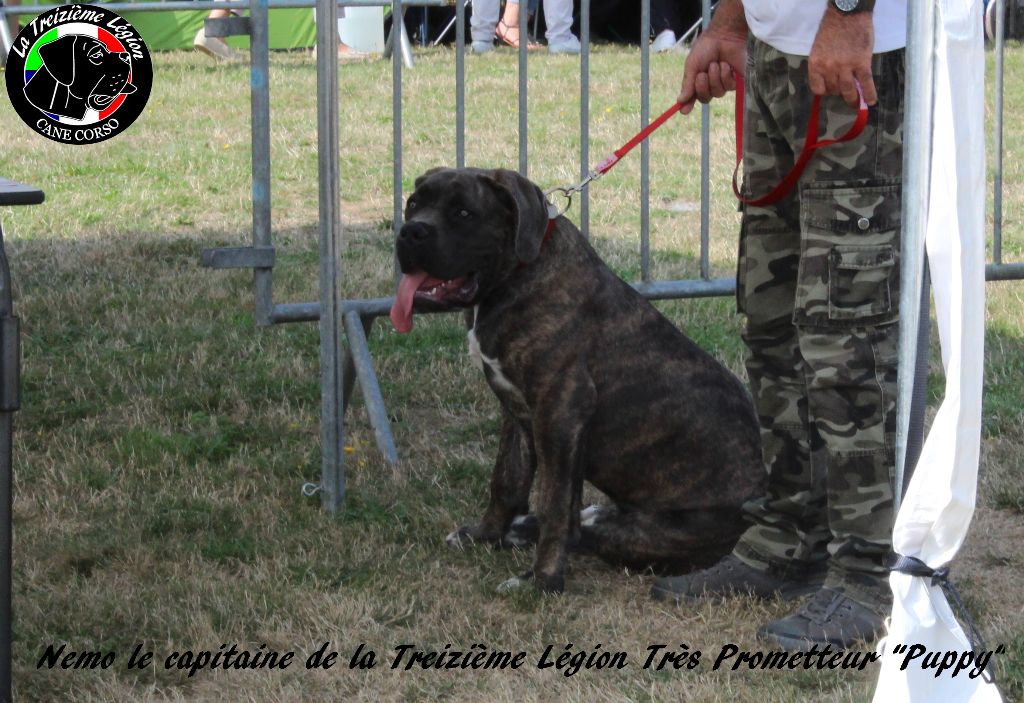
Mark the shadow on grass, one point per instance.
(163, 439)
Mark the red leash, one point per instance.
(811, 144)
(606, 165)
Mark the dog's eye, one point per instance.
(411, 205)
(463, 213)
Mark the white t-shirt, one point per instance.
(791, 25)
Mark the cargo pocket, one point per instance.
(849, 255)
(859, 282)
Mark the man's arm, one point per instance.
(718, 52)
(841, 55)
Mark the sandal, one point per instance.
(505, 34)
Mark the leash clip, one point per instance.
(568, 192)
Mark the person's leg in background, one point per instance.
(558, 18)
(666, 24)
(344, 50)
(215, 47)
(508, 26)
(482, 22)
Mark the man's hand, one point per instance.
(717, 53)
(841, 56)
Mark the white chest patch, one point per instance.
(493, 366)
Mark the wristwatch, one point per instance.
(849, 7)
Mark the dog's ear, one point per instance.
(427, 174)
(59, 58)
(531, 213)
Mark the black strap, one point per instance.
(912, 566)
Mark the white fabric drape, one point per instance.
(935, 514)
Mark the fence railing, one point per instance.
(352, 319)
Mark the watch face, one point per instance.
(846, 5)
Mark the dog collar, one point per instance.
(552, 218)
(553, 214)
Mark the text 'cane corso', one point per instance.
(595, 384)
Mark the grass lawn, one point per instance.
(163, 439)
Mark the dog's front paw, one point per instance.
(515, 583)
(468, 535)
(460, 538)
(553, 583)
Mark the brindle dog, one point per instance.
(595, 384)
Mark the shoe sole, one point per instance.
(213, 54)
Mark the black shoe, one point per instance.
(731, 577)
(830, 617)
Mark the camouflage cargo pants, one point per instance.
(818, 281)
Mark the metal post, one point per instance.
(916, 173)
(404, 45)
(10, 361)
(705, 167)
(396, 124)
(332, 473)
(585, 114)
(10, 381)
(997, 175)
(523, 22)
(460, 83)
(355, 328)
(645, 147)
(6, 40)
(259, 80)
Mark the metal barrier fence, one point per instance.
(353, 318)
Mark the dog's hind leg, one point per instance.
(673, 542)
(510, 488)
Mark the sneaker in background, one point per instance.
(215, 47)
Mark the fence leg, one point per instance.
(259, 79)
(405, 46)
(360, 350)
(332, 473)
(10, 359)
(11, 193)
(350, 368)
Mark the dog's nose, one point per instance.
(414, 232)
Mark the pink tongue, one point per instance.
(401, 311)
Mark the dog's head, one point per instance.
(91, 72)
(465, 231)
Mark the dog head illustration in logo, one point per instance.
(78, 73)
